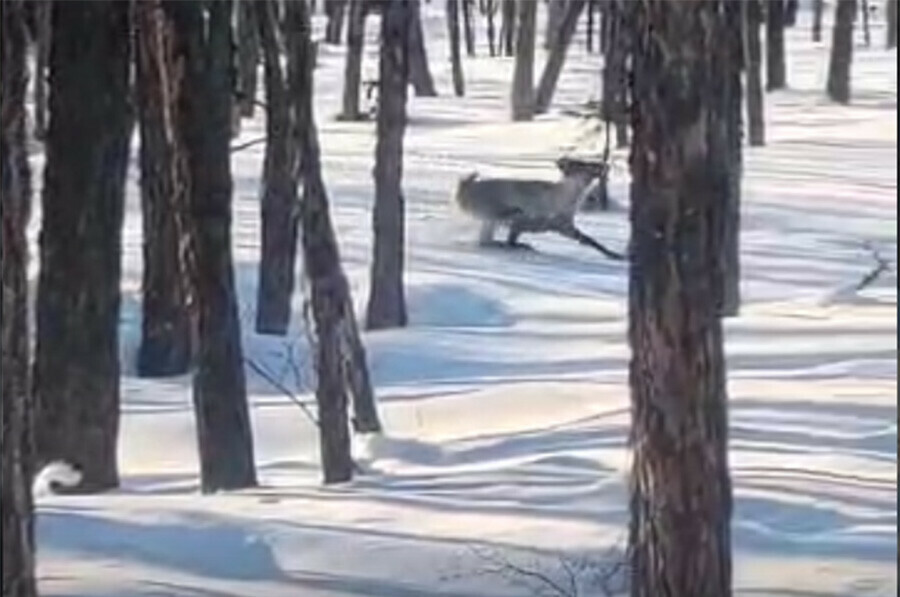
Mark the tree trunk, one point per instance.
(838, 85)
(165, 347)
(790, 12)
(751, 17)
(681, 502)
(219, 389)
(490, 8)
(387, 305)
(356, 30)
(248, 56)
(891, 16)
(279, 191)
(42, 59)
(556, 11)
(453, 29)
(818, 9)
(523, 76)
(776, 73)
(330, 291)
(507, 26)
(731, 52)
(469, 26)
(76, 379)
(557, 57)
(335, 10)
(614, 60)
(867, 34)
(419, 72)
(18, 564)
(591, 10)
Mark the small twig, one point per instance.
(506, 567)
(247, 144)
(881, 265)
(279, 386)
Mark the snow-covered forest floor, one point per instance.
(506, 399)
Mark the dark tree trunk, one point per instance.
(507, 26)
(165, 347)
(751, 17)
(76, 380)
(469, 26)
(867, 33)
(219, 389)
(614, 60)
(557, 57)
(680, 543)
(248, 55)
(818, 9)
(356, 373)
(790, 12)
(523, 76)
(591, 11)
(330, 291)
(556, 11)
(387, 305)
(18, 564)
(604, 24)
(490, 8)
(335, 10)
(419, 72)
(42, 60)
(356, 29)
(279, 191)
(890, 11)
(731, 54)
(459, 87)
(838, 85)
(776, 73)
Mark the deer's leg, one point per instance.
(512, 239)
(486, 235)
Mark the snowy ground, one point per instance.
(506, 399)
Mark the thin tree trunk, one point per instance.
(790, 12)
(891, 15)
(279, 191)
(523, 75)
(165, 347)
(248, 56)
(356, 29)
(776, 73)
(838, 86)
(818, 9)
(387, 305)
(867, 33)
(731, 53)
(751, 17)
(356, 374)
(335, 10)
(507, 26)
(490, 8)
(419, 71)
(591, 10)
(556, 11)
(42, 60)
(76, 375)
(18, 563)
(614, 59)
(680, 540)
(219, 388)
(469, 26)
(330, 291)
(453, 29)
(557, 57)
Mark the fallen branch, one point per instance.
(881, 265)
(282, 388)
(245, 145)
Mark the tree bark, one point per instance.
(419, 71)
(891, 15)
(165, 347)
(330, 291)
(248, 56)
(557, 57)
(76, 374)
(279, 191)
(507, 26)
(790, 12)
(867, 33)
(818, 9)
(523, 75)
(681, 502)
(731, 53)
(776, 73)
(556, 11)
(335, 10)
(490, 8)
(591, 13)
(615, 56)
(469, 26)
(750, 13)
(459, 87)
(18, 563)
(356, 29)
(838, 86)
(219, 386)
(387, 305)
